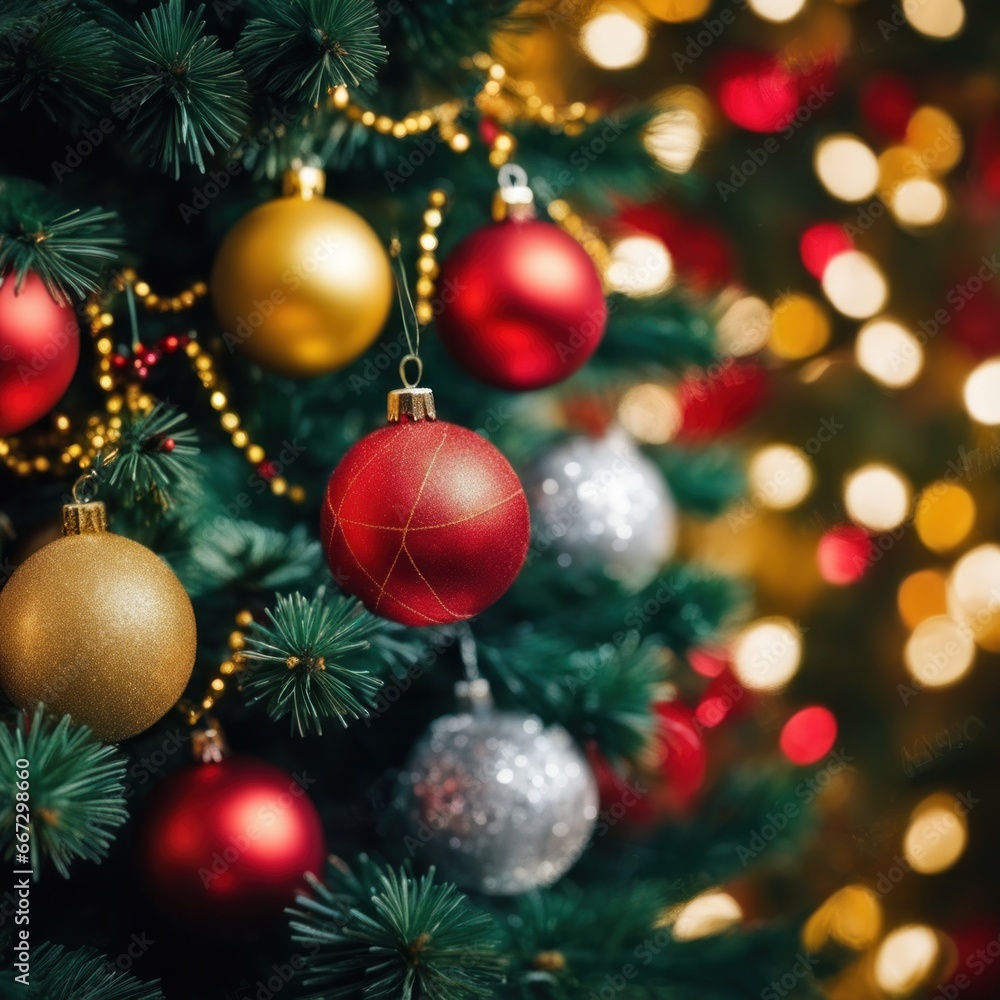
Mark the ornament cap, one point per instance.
(474, 695)
(89, 518)
(305, 182)
(411, 403)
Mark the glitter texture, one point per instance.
(499, 802)
(601, 502)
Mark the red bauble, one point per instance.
(720, 400)
(523, 305)
(39, 349)
(224, 846)
(426, 522)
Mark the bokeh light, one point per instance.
(800, 327)
(675, 11)
(767, 653)
(820, 244)
(709, 913)
(982, 393)
(939, 652)
(887, 351)
(844, 554)
(855, 285)
(639, 266)
(650, 413)
(936, 138)
(852, 916)
(757, 91)
(922, 595)
(809, 735)
(846, 167)
(780, 476)
(937, 834)
(745, 326)
(674, 138)
(614, 39)
(906, 958)
(896, 166)
(974, 594)
(777, 11)
(919, 202)
(877, 497)
(936, 18)
(944, 516)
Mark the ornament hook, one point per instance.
(415, 358)
(514, 198)
(85, 488)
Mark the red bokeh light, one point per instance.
(809, 735)
(820, 244)
(843, 554)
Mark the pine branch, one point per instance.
(301, 49)
(57, 974)
(53, 55)
(75, 790)
(703, 480)
(299, 663)
(145, 468)
(602, 695)
(188, 93)
(664, 332)
(254, 560)
(392, 936)
(68, 249)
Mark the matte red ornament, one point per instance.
(426, 522)
(39, 349)
(224, 846)
(523, 305)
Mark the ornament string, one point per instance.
(409, 316)
(473, 693)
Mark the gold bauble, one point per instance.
(98, 627)
(302, 285)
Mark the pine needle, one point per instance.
(75, 790)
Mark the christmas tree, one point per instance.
(489, 694)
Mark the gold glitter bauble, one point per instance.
(97, 626)
(301, 286)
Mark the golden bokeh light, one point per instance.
(887, 351)
(614, 39)
(982, 393)
(639, 266)
(906, 958)
(937, 834)
(877, 497)
(766, 654)
(939, 652)
(936, 138)
(944, 516)
(852, 916)
(709, 913)
(674, 138)
(922, 595)
(936, 18)
(650, 413)
(896, 165)
(676, 11)
(974, 594)
(780, 476)
(799, 327)
(744, 327)
(846, 167)
(855, 285)
(777, 11)
(919, 202)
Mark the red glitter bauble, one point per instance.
(39, 349)
(225, 846)
(523, 306)
(426, 522)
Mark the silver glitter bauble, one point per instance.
(498, 802)
(601, 502)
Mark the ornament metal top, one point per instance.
(500, 802)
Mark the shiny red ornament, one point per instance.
(714, 402)
(683, 757)
(39, 349)
(756, 91)
(224, 846)
(523, 306)
(426, 522)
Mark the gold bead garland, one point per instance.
(427, 267)
(233, 664)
